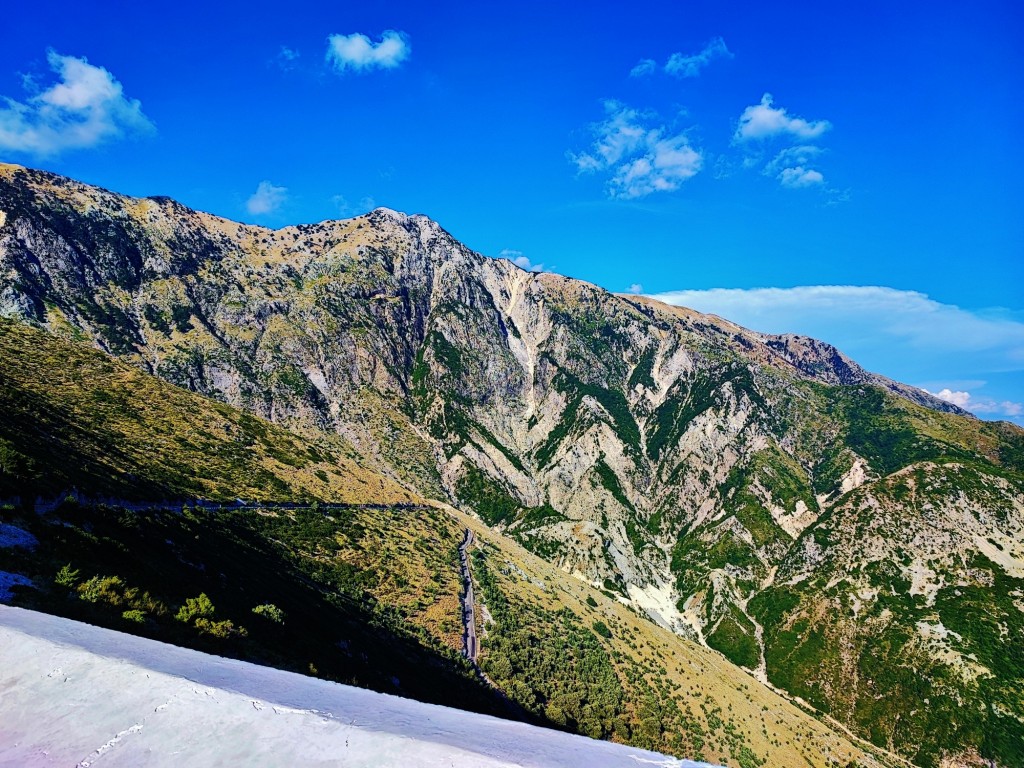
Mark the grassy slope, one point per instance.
(369, 595)
(76, 417)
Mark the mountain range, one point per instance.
(850, 541)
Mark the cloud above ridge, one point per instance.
(84, 108)
(902, 334)
(266, 199)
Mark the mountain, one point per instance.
(852, 540)
(355, 590)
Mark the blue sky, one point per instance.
(849, 171)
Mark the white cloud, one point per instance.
(358, 53)
(956, 398)
(789, 157)
(981, 406)
(643, 67)
(800, 177)
(635, 288)
(894, 314)
(266, 199)
(520, 260)
(691, 65)
(641, 159)
(86, 107)
(790, 167)
(902, 334)
(764, 121)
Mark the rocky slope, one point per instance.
(366, 593)
(699, 470)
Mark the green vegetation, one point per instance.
(270, 612)
(611, 484)
(612, 400)
(734, 636)
(578, 674)
(869, 657)
(643, 374)
(882, 429)
(494, 505)
(74, 417)
(694, 556)
(526, 643)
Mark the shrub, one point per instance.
(271, 612)
(102, 589)
(219, 629)
(602, 629)
(135, 616)
(195, 608)
(66, 577)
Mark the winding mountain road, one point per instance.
(470, 644)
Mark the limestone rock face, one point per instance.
(704, 472)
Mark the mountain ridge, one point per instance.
(675, 460)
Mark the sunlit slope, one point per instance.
(74, 417)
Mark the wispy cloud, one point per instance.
(266, 199)
(682, 65)
(520, 260)
(764, 121)
(799, 176)
(903, 334)
(801, 154)
(84, 108)
(358, 53)
(287, 58)
(641, 158)
(685, 64)
(345, 208)
(643, 67)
